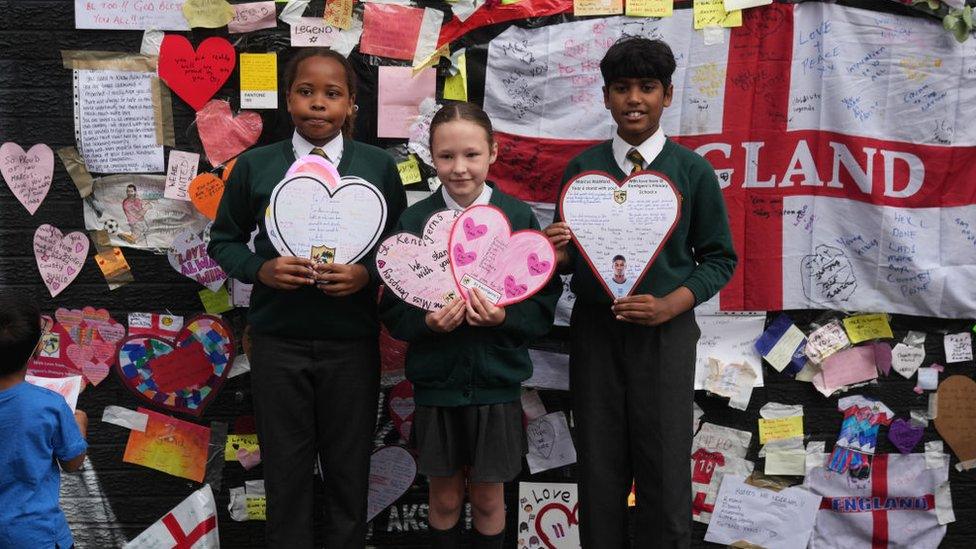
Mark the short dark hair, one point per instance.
(461, 110)
(20, 330)
(619, 257)
(638, 57)
(291, 71)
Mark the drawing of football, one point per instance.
(111, 226)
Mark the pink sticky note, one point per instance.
(399, 98)
(391, 31)
(28, 174)
(854, 365)
(485, 254)
(882, 356)
(59, 256)
(252, 16)
(416, 267)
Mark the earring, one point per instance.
(355, 108)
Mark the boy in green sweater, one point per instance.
(632, 358)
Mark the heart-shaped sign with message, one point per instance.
(620, 226)
(557, 519)
(392, 470)
(28, 174)
(542, 437)
(205, 191)
(485, 254)
(307, 218)
(59, 256)
(418, 268)
(183, 374)
(224, 135)
(196, 75)
(956, 417)
(904, 435)
(905, 359)
(94, 336)
(402, 407)
(189, 257)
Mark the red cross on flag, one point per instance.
(836, 133)
(190, 525)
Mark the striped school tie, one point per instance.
(319, 152)
(638, 160)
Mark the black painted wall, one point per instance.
(110, 501)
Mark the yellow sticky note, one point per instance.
(780, 428)
(864, 327)
(210, 14)
(259, 81)
(216, 302)
(598, 7)
(649, 8)
(456, 86)
(236, 442)
(256, 508)
(338, 13)
(709, 13)
(409, 171)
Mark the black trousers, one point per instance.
(315, 397)
(633, 394)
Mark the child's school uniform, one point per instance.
(37, 426)
(633, 385)
(315, 358)
(467, 382)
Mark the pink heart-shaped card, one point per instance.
(485, 254)
(417, 268)
(59, 256)
(224, 135)
(94, 336)
(620, 226)
(28, 174)
(182, 374)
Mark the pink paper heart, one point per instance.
(90, 351)
(95, 372)
(70, 320)
(28, 174)
(223, 135)
(55, 253)
(102, 351)
(497, 261)
(111, 332)
(416, 268)
(79, 355)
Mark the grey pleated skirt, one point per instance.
(488, 440)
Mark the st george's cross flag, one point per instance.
(190, 525)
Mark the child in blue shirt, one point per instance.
(39, 432)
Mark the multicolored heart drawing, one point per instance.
(183, 374)
(620, 226)
(94, 337)
(59, 256)
(417, 268)
(28, 174)
(224, 135)
(189, 257)
(196, 76)
(507, 267)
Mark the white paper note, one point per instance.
(774, 520)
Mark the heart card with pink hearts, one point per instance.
(417, 268)
(620, 227)
(311, 216)
(507, 267)
(181, 374)
(548, 516)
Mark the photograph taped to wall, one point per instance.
(131, 209)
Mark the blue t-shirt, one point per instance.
(37, 427)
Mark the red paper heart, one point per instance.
(196, 76)
(223, 135)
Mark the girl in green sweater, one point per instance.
(468, 359)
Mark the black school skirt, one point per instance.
(487, 440)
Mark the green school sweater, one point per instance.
(307, 312)
(699, 253)
(470, 365)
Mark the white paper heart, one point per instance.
(906, 359)
(59, 256)
(28, 174)
(392, 470)
(632, 219)
(188, 256)
(306, 218)
(542, 437)
(417, 268)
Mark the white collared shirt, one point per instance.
(482, 199)
(649, 149)
(333, 149)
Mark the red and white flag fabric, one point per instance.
(190, 525)
(836, 133)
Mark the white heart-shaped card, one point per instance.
(620, 226)
(308, 218)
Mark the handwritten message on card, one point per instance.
(620, 226)
(958, 347)
(196, 74)
(259, 81)
(181, 170)
(189, 257)
(59, 256)
(391, 30)
(864, 327)
(121, 15)
(418, 268)
(776, 520)
(391, 472)
(27, 173)
(252, 16)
